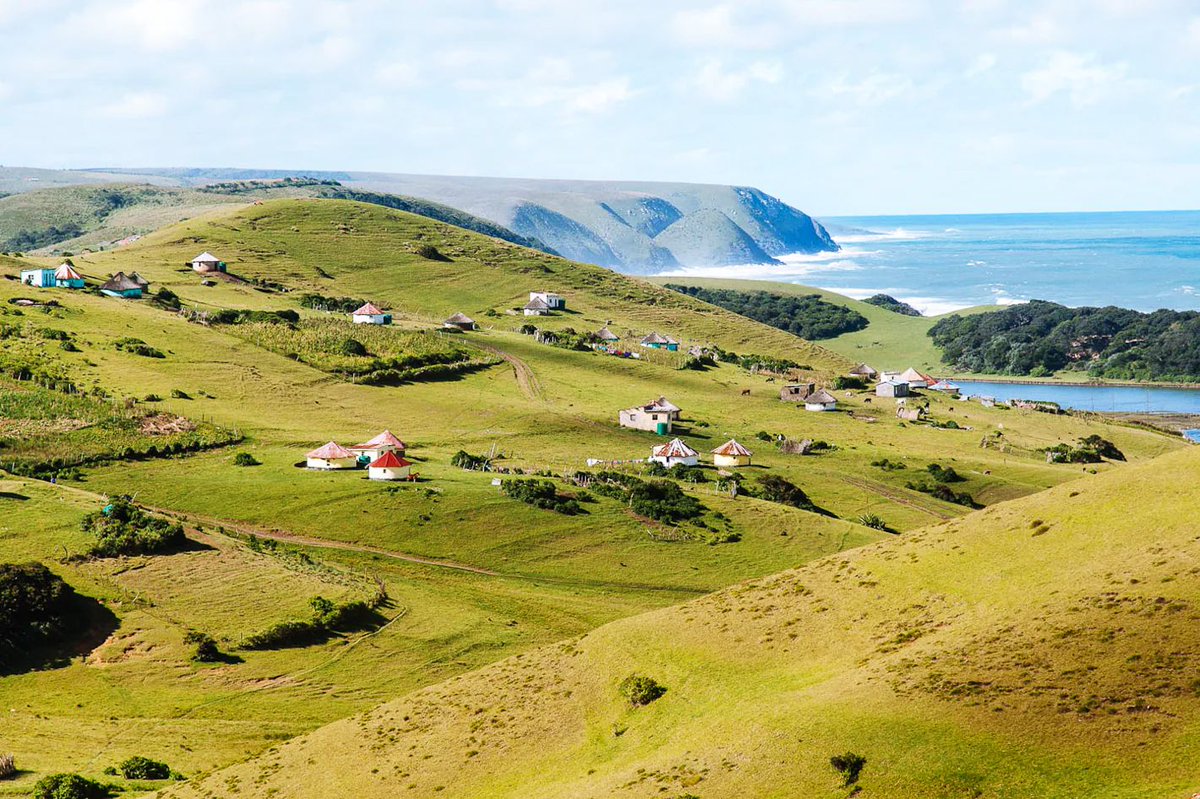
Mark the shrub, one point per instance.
(328, 617)
(774, 488)
(944, 474)
(473, 463)
(122, 528)
(143, 768)
(849, 765)
(151, 398)
(540, 494)
(166, 299)
(943, 492)
(639, 690)
(69, 786)
(136, 346)
(688, 474)
(206, 651)
(527, 329)
(245, 459)
(36, 608)
(429, 252)
(177, 393)
(846, 382)
(888, 465)
(664, 501)
(352, 347)
(874, 521)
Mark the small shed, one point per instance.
(820, 400)
(123, 286)
(675, 453)
(380, 445)
(554, 302)
(368, 314)
(389, 466)
(65, 277)
(656, 341)
(38, 278)
(460, 321)
(207, 262)
(796, 392)
(606, 335)
(731, 453)
(891, 388)
(332, 456)
(536, 307)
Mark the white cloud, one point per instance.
(854, 12)
(984, 62)
(1081, 77)
(874, 89)
(598, 96)
(1193, 32)
(398, 75)
(1038, 29)
(719, 83)
(152, 25)
(137, 105)
(717, 27)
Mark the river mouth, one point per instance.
(1137, 400)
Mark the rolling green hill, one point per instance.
(890, 340)
(471, 575)
(1044, 649)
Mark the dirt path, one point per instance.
(526, 379)
(896, 496)
(298, 539)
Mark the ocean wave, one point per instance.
(788, 272)
(898, 234)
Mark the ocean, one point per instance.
(1142, 260)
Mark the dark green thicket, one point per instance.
(36, 609)
(1039, 338)
(70, 786)
(123, 528)
(849, 765)
(892, 304)
(640, 690)
(807, 316)
(540, 494)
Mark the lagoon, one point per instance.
(1109, 399)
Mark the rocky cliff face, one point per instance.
(630, 226)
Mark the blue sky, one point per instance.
(838, 106)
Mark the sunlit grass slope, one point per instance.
(1043, 648)
(890, 340)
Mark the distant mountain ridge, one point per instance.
(631, 226)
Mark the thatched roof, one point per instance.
(121, 282)
(820, 397)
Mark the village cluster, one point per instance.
(382, 457)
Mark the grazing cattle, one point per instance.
(745, 392)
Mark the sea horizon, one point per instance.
(941, 263)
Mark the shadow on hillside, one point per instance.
(94, 624)
(13, 496)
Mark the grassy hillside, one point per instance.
(472, 575)
(1040, 649)
(890, 341)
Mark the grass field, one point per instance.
(1038, 649)
(473, 577)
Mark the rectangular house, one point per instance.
(651, 418)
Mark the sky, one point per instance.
(840, 107)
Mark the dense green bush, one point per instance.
(69, 786)
(660, 500)
(807, 316)
(143, 768)
(640, 690)
(327, 619)
(849, 765)
(1040, 338)
(540, 494)
(473, 463)
(245, 459)
(888, 465)
(319, 302)
(122, 528)
(206, 650)
(36, 609)
(1092, 449)
(874, 521)
(942, 491)
(774, 488)
(944, 474)
(429, 252)
(848, 383)
(890, 303)
(135, 346)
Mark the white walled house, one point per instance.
(646, 417)
(368, 314)
(892, 388)
(536, 307)
(332, 456)
(731, 453)
(820, 400)
(207, 262)
(675, 453)
(554, 302)
(389, 466)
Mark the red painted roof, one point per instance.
(389, 460)
(368, 310)
(331, 451)
(384, 439)
(674, 449)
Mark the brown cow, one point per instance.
(745, 392)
